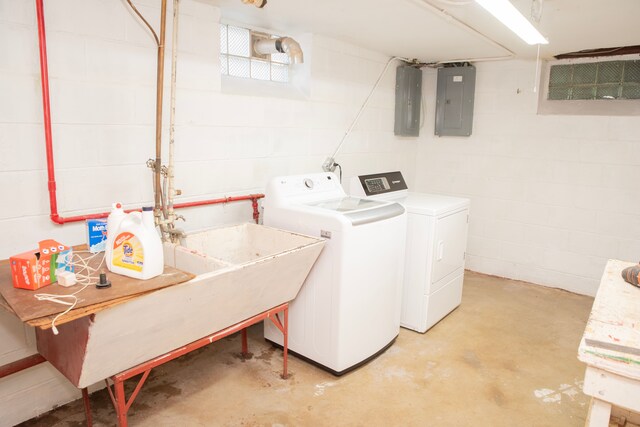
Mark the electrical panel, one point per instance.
(454, 101)
(408, 97)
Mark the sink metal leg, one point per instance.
(245, 344)
(87, 406)
(285, 333)
(283, 326)
(121, 409)
(117, 394)
(118, 397)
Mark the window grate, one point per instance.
(595, 80)
(236, 59)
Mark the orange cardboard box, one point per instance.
(34, 269)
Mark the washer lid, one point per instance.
(348, 204)
(432, 204)
(361, 211)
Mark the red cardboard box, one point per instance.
(34, 269)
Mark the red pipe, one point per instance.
(46, 108)
(253, 197)
(19, 365)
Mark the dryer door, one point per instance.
(450, 244)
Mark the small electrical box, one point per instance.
(454, 100)
(408, 97)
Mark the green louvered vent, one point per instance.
(595, 80)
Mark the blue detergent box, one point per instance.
(96, 235)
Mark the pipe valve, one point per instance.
(329, 165)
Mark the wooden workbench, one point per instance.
(610, 347)
(28, 309)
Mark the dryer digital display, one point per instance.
(377, 185)
(381, 183)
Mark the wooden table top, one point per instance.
(25, 306)
(611, 340)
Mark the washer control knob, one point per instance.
(308, 183)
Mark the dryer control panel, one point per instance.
(380, 183)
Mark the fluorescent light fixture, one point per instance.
(506, 13)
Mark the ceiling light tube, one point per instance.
(506, 13)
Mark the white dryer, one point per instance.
(435, 247)
(348, 310)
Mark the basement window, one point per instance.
(591, 86)
(238, 59)
(595, 80)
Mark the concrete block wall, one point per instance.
(552, 197)
(231, 135)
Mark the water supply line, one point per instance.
(51, 179)
(156, 165)
(170, 216)
(159, 93)
(46, 109)
(172, 107)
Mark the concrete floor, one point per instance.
(505, 357)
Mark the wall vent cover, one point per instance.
(595, 80)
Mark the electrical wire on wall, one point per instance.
(330, 164)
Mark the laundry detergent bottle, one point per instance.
(113, 222)
(134, 248)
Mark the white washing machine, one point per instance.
(348, 309)
(435, 247)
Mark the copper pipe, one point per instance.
(53, 200)
(155, 36)
(253, 197)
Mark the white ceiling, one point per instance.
(441, 30)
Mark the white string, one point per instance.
(84, 277)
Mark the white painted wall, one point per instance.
(552, 197)
(229, 141)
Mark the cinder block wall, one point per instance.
(231, 137)
(552, 197)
